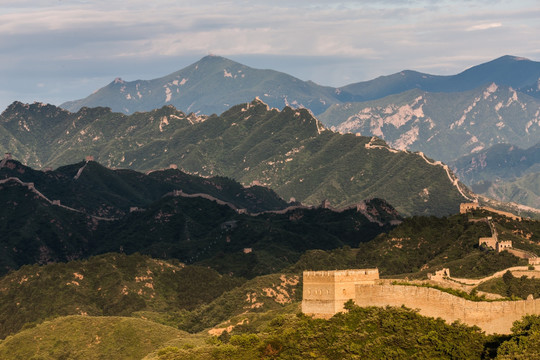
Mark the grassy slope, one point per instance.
(111, 284)
(87, 337)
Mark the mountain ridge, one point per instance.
(287, 150)
(445, 126)
(226, 82)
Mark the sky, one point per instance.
(53, 51)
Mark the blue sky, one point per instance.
(58, 50)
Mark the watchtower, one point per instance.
(325, 292)
(466, 207)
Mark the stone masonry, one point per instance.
(325, 292)
(490, 316)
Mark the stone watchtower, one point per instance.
(325, 292)
(466, 207)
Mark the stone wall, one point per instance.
(522, 254)
(318, 293)
(325, 292)
(489, 241)
(503, 213)
(504, 245)
(465, 207)
(492, 317)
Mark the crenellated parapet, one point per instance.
(490, 316)
(325, 292)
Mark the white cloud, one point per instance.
(484, 26)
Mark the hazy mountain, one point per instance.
(211, 85)
(288, 151)
(507, 70)
(504, 172)
(214, 84)
(501, 161)
(523, 190)
(444, 126)
(532, 90)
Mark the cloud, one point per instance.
(75, 46)
(484, 26)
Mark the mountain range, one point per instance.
(99, 191)
(214, 84)
(445, 126)
(128, 306)
(445, 117)
(85, 209)
(289, 151)
(211, 85)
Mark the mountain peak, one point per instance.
(214, 59)
(511, 58)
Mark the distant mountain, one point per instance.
(504, 172)
(288, 151)
(523, 190)
(501, 161)
(214, 84)
(445, 126)
(510, 71)
(532, 90)
(211, 85)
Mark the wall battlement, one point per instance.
(490, 316)
(325, 293)
(343, 274)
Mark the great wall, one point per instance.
(493, 241)
(325, 293)
(30, 186)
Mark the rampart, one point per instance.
(325, 292)
(492, 317)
